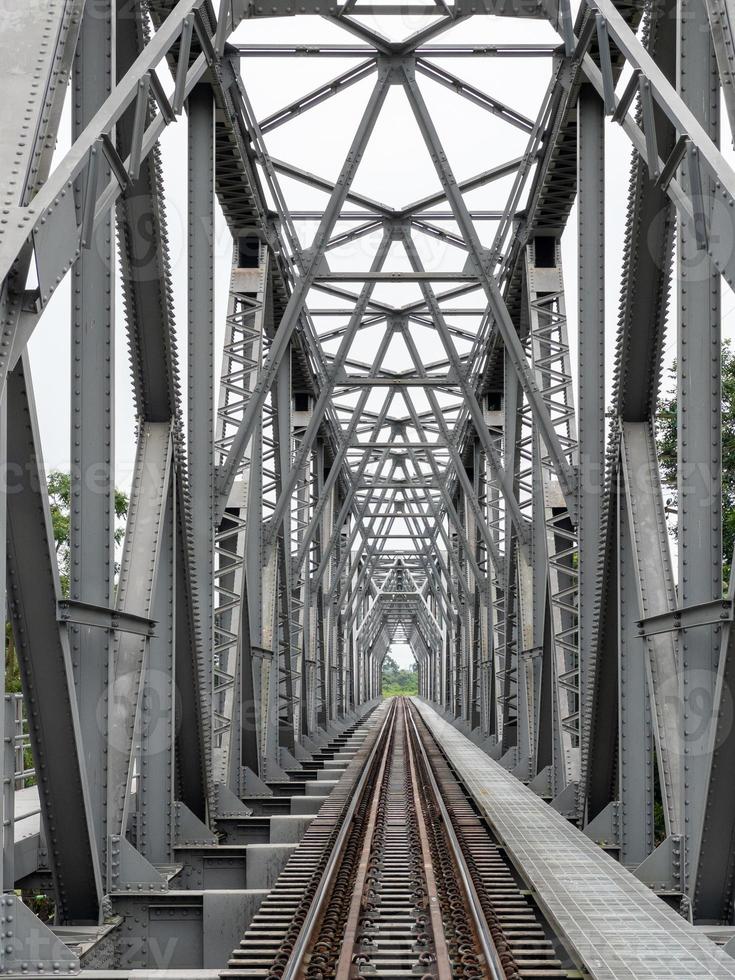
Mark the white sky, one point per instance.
(403, 655)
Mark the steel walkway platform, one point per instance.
(615, 924)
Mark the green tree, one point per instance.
(59, 493)
(666, 426)
(396, 680)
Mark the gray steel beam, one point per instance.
(716, 612)
(87, 614)
(347, 506)
(469, 50)
(319, 95)
(283, 457)
(50, 223)
(647, 259)
(504, 480)
(291, 475)
(151, 491)
(297, 298)
(250, 665)
(713, 229)
(486, 276)
(656, 594)
(488, 102)
(200, 355)
(462, 8)
(193, 739)
(36, 56)
(713, 886)
(92, 516)
(45, 665)
(635, 746)
(455, 456)
(721, 16)
(699, 528)
(146, 287)
(155, 814)
(591, 387)
(144, 263)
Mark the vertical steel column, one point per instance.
(300, 511)
(591, 377)
(546, 747)
(635, 730)
(308, 656)
(509, 438)
(506, 619)
(140, 565)
(155, 814)
(252, 720)
(92, 512)
(200, 351)
(260, 589)
(552, 370)
(656, 594)
(699, 438)
(323, 672)
(482, 593)
(447, 700)
(331, 605)
(283, 652)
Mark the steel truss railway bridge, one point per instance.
(394, 430)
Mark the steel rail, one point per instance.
(492, 960)
(293, 968)
(399, 714)
(345, 959)
(443, 967)
(382, 791)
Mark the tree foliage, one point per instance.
(397, 680)
(666, 436)
(59, 493)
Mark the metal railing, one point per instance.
(25, 773)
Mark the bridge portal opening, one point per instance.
(400, 672)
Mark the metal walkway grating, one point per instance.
(617, 926)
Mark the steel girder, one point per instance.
(92, 560)
(46, 669)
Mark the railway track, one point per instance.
(398, 876)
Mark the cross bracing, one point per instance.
(399, 429)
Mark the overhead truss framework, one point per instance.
(404, 437)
